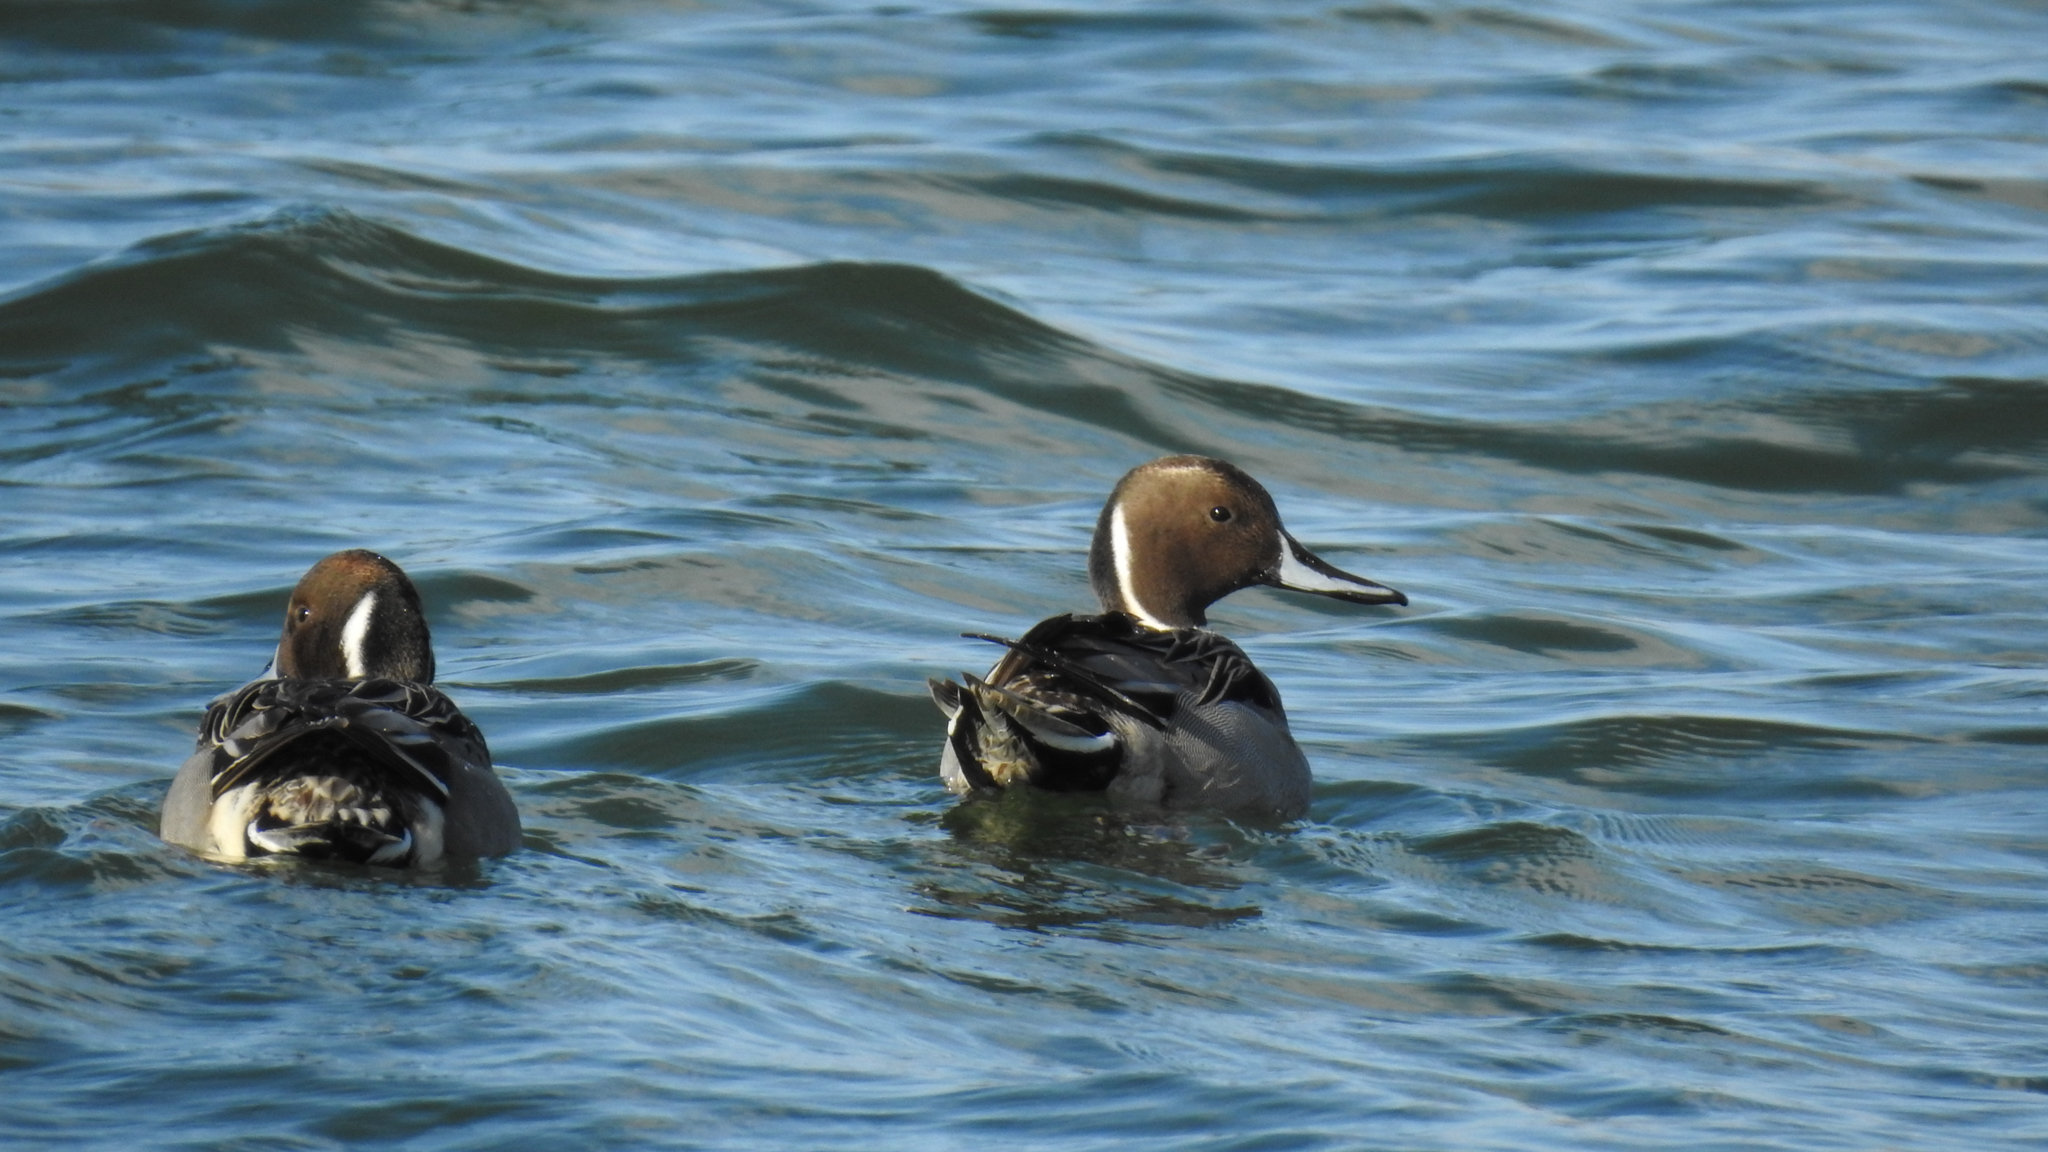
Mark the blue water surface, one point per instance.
(713, 366)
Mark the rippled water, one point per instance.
(712, 368)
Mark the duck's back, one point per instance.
(400, 739)
(1196, 724)
(1223, 755)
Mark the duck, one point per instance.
(1141, 701)
(343, 749)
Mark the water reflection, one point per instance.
(1047, 861)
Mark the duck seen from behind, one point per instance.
(343, 749)
(1143, 702)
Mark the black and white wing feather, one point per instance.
(414, 730)
(1063, 705)
(382, 771)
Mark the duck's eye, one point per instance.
(305, 613)
(1219, 514)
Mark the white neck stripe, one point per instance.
(1120, 550)
(353, 634)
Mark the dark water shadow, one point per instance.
(146, 28)
(105, 843)
(146, 345)
(796, 734)
(1677, 755)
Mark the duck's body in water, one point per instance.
(1143, 702)
(345, 750)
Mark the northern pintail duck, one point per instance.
(343, 749)
(1143, 701)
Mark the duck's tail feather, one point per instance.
(334, 839)
(1044, 726)
(332, 786)
(330, 799)
(945, 694)
(963, 720)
